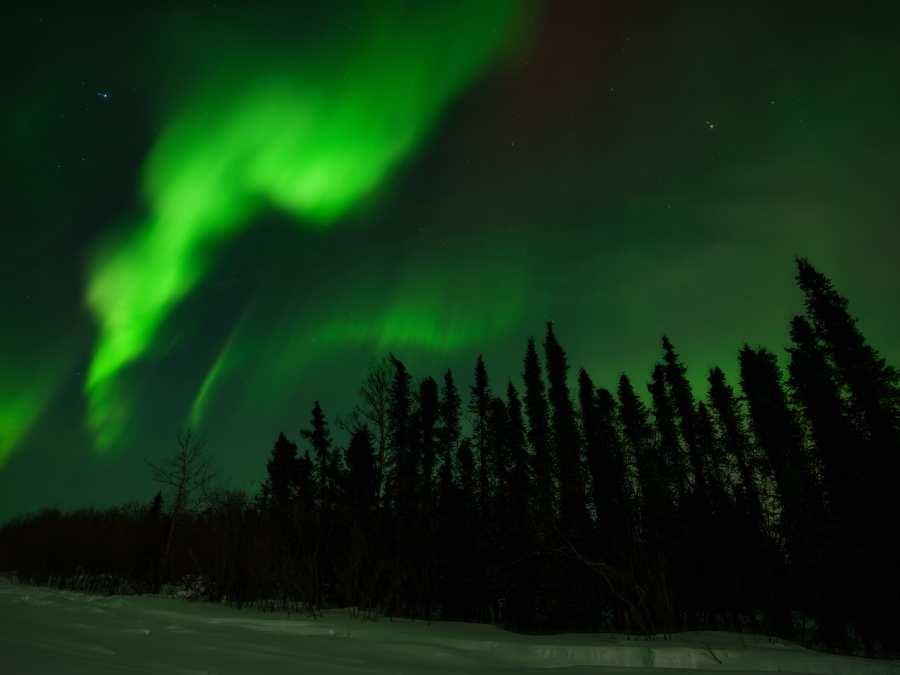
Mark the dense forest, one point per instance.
(767, 505)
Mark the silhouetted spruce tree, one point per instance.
(803, 515)
(815, 384)
(520, 567)
(873, 389)
(400, 462)
(496, 541)
(479, 405)
(469, 563)
(539, 439)
(319, 438)
(361, 479)
(605, 460)
(450, 528)
(449, 432)
(328, 546)
(671, 462)
(656, 510)
(497, 426)
(281, 488)
(361, 501)
(685, 406)
(757, 561)
(872, 384)
(737, 445)
(813, 380)
(690, 562)
(282, 474)
(578, 586)
(520, 480)
(714, 525)
(566, 441)
(428, 439)
(622, 519)
(402, 496)
(374, 394)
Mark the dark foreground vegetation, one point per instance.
(546, 509)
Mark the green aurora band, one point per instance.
(403, 320)
(312, 139)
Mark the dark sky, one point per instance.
(217, 216)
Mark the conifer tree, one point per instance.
(497, 442)
(539, 439)
(803, 516)
(620, 502)
(429, 435)
(566, 441)
(657, 508)
(873, 392)
(361, 478)
(605, 460)
(685, 406)
(401, 473)
(520, 485)
(873, 385)
(282, 473)
(374, 394)
(671, 465)
(449, 431)
(737, 444)
(521, 595)
(479, 405)
(319, 438)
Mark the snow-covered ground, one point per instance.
(50, 631)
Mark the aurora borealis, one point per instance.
(216, 216)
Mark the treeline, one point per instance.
(770, 508)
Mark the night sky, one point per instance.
(215, 216)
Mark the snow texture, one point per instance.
(46, 630)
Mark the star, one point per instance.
(711, 125)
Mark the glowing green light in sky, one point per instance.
(434, 310)
(18, 410)
(312, 138)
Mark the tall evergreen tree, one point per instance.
(479, 405)
(429, 435)
(616, 479)
(670, 464)
(449, 431)
(605, 460)
(319, 438)
(401, 463)
(873, 385)
(685, 406)
(361, 500)
(873, 392)
(737, 444)
(803, 516)
(816, 388)
(566, 441)
(374, 395)
(361, 472)
(520, 485)
(518, 532)
(657, 508)
(282, 473)
(497, 442)
(539, 439)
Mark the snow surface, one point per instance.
(46, 630)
